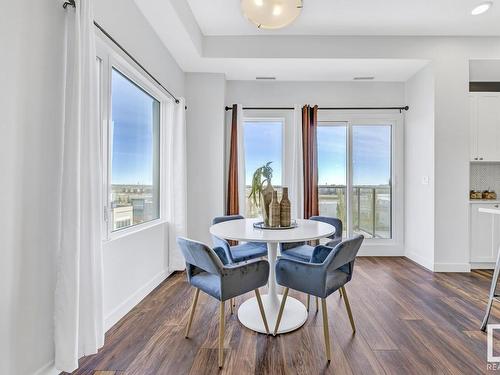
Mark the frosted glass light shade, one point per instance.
(271, 14)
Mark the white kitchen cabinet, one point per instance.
(485, 126)
(484, 234)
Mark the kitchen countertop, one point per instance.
(490, 211)
(481, 201)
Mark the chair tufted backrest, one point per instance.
(200, 255)
(344, 254)
(337, 223)
(221, 219)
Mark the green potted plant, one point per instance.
(262, 195)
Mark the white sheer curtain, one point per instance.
(177, 185)
(242, 199)
(296, 189)
(78, 312)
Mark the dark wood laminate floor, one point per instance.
(409, 321)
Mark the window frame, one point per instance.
(286, 118)
(394, 245)
(111, 58)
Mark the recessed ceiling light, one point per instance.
(481, 8)
(259, 3)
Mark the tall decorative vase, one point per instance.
(265, 200)
(285, 209)
(274, 211)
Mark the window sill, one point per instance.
(133, 230)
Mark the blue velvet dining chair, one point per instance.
(303, 251)
(327, 271)
(207, 272)
(242, 252)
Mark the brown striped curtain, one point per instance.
(310, 154)
(232, 207)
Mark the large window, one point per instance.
(135, 145)
(355, 176)
(263, 142)
(133, 117)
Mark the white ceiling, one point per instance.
(357, 17)
(182, 26)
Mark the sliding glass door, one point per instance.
(371, 181)
(355, 176)
(332, 170)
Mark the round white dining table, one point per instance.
(294, 313)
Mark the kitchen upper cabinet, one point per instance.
(485, 126)
(484, 234)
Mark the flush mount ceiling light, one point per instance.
(481, 8)
(271, 14)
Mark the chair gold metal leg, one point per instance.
(308, 302)
(231, 303)
(280, 313)
(191, 314)
(340, 292)
(317, 304)
(221, 334)
(348, 308)
(325, 328)
(261, 308)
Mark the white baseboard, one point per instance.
(48, 369)
(482, 265)
(424, 262)
(451, 267)
(123, 308)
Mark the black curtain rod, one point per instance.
(405, 108)
(72, 3)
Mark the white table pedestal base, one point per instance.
(294, 314)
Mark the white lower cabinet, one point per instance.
(484, 235)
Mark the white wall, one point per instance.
(205, 95)
(124, 21)
(484, 70)
(31, 39)
(279, 93)
(419, 166)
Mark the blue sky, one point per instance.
(132, 114)
(263, 143)
(371, 152)
(371, 155)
